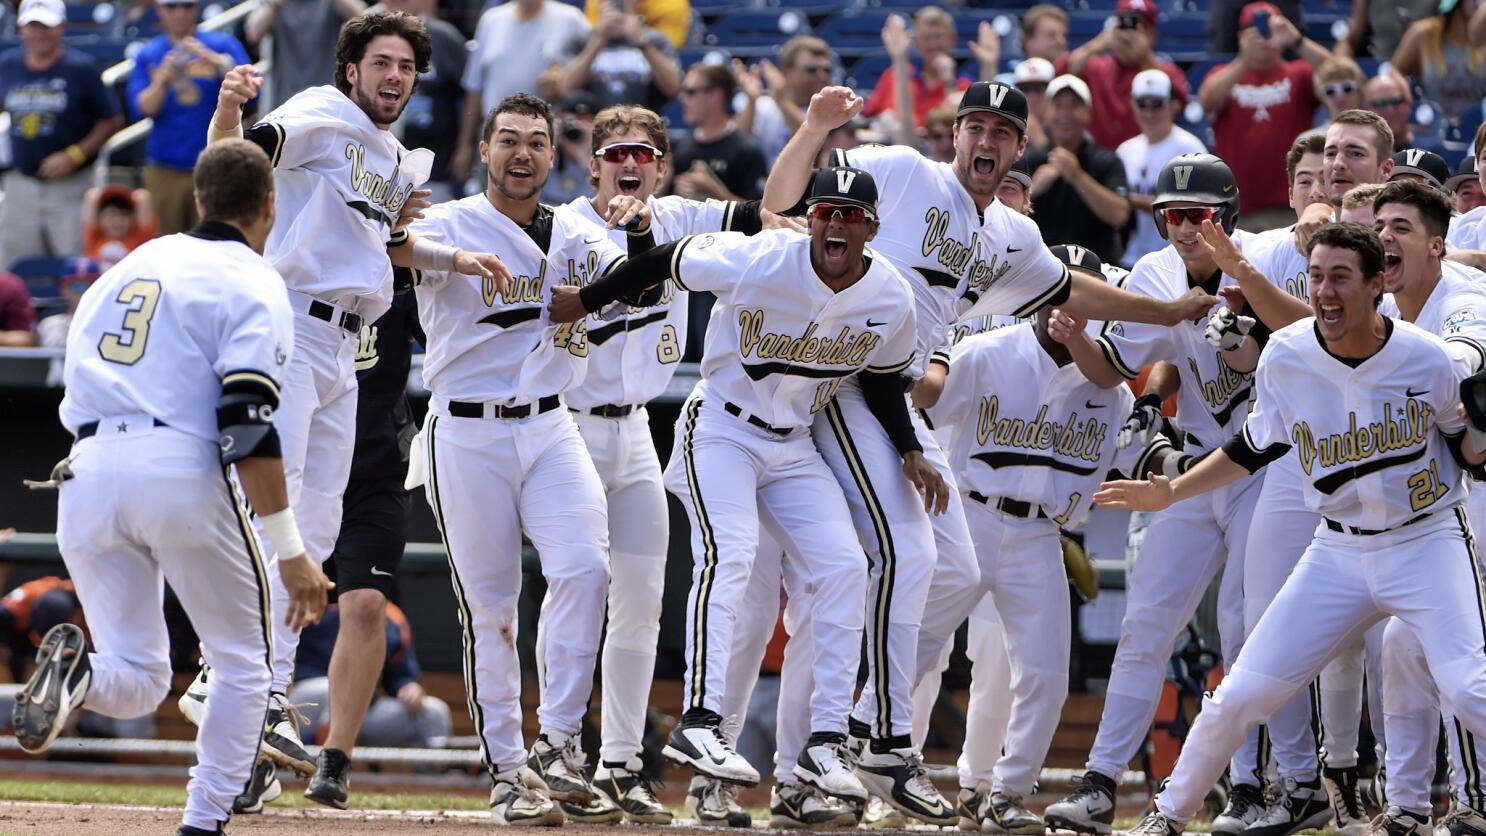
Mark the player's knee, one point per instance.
(1462, 685)
(1248, 698)
(586, 567)
(362, 612)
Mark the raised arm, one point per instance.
(239, 86)
(1274, 307)
(829, 109)
(1091, 298)
(1158, 492)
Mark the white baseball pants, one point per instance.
(1341, 687)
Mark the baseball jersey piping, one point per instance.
(709, 561)
(260, 574)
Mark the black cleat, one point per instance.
(56, 689)
(331, 782)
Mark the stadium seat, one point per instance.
(712, 8)
(854, 34)
(755, 28)
(865, 71)
(805, 7)
(693, 55)
(1198, 71)
(40, 273)
(1083, 26)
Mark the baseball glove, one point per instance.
(1083, 575)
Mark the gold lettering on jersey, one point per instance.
(1399, 429)
(1297, 286)
(1219, 391)
(847, 348)
(1074, 438)
(375, 187)
(366, 348)
(957, 258)
(585, 271)
(523, 288)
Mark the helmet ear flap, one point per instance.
(1160, 222)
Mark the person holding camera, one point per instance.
(1109, 64)
(570, 178)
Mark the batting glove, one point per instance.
(1226, 329)
(1143, 424)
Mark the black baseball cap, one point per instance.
(1021, 172)
(1421, 163)
(843, 186)
(1464, 173)
(994, 97)
(1078, 258)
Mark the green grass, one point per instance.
(77, 792)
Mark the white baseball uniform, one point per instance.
(150, 349)
(1468, 231)
(1185, 544)
(1374, 439)
(505, 458)
(339, 184)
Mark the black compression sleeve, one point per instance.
(649, 268)
(641, 242)
(1247, 457)
(1457, 452)
(884, 396)
(746, 217)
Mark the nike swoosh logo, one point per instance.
(1087, 405)
(376, 571)
(592, 240)
(1010, 250)
(871, 324)
(1412, 394)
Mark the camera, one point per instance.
(571, 130)
(1261, 23)
(1127, 21)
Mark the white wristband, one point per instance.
(283, 534)
(1172, 466)
(431, 255)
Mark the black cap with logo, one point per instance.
(843, 186)
(994, 97)
(1081, 258)
(1421, 163)
(1464, 173)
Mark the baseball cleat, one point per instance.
(281, 737)
(898, 777)
(1155, 824)
(1004, 813)
(263, 788)
(712, 803)
(1462, 821)
(1295, 807)
(795, 805)
(188, 830)
(1397, 821)
(826, 764)
(702, 746)
(1245, 806)
(1090, 809)
(630, 789)
(601, 810)
(1342, 784)
(555, 759)
(193, 703)
(877, 814)
(331, 783)
(970, 806)
(56, 689)
(519, 798)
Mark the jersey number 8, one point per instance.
(140, 297)
(669, 349)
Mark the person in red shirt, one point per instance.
(1260, 103)
(931, 77)
(1109, 64)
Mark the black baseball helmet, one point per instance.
(843, 186)
(1004, 100)
(1198, 178)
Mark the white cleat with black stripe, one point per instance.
(700, 745)
(56, 689)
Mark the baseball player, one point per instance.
(174, 362)
(1183, 547)
(342, 183)
(779, 350)
(503, 457)
(965, 254)
(1465, 184)
(1468, 231)
(1370, 405)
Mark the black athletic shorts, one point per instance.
(374, 532)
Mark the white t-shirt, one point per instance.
(1143, 163)
(508, 54)
(1468, 231)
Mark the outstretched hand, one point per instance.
(1154, 494)
(486, 266)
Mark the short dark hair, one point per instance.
(1383, 139)
(1433, 204)
(1308, 144)
(360, 31)
(1355, 237)
(521, 104)
(1480, 138)
(233, 181)
(720, 77)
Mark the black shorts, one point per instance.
(374, 532)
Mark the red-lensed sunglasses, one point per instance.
(849, 214)
(641, 152)
(1195, 214)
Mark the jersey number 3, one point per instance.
(140, 298)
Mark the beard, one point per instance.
(364, 94)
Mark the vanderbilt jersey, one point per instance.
(1213, 399)
(780, 341)
(633, 356)
(160, 332)
(1468, 231)
(339, 184)
(1370, 439)
(1274, 254)
(489, 347)
(1455, 310)
(957, 262)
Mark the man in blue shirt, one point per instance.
(60, 115)
(175, 81)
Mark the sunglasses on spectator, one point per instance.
(1033, 87)
(640, 152)
(1150, 103)
(1340, 88)
(696, 91)
(1194, 214)
(1127, 22)
(1379, 103)
(824, 212)
(820, 69)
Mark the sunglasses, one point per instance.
(1032, 87)
(696, 91)
(1193, 214)
(824, 212)
(1381, 103)
(1341, 88)
(640, 152)
(1150, 103)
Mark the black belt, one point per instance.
(1012, 507)
(734, 409)
(466, 409)
(1342, 528)
(90, 429)
(609, 410)
(345, 320)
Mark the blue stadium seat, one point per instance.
(711, 8)
(1318, 26)
(1085, 25)
(693, 55)
(865, 71)
(805, 7)
(749, 28)
(40, 273)
(854, 34)
(1198, 71)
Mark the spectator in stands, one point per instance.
(776, 97)
(431, 119)
(78, 274)
(305, 33)
(1339, 82)
(1032, 77)
(1437, 54)
(1045, 32)
(569, 176)
(1079, 185)
(715, 159)
(1467, 186)
(1223, 26)
(1145, 155)
(1260, 103)
(939, 133)
(622, 61)
(1377, 26)
(60, 115)
(671, 17)
(17, 317)
(516, 43)
(1110, 62)
(405, 716)
(1389, 96)
(923, 58)
(115, 222)
(175, 82)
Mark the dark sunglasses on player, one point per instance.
(639, 151)
(849, 214)
(1195, 214)
(1339, 88)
